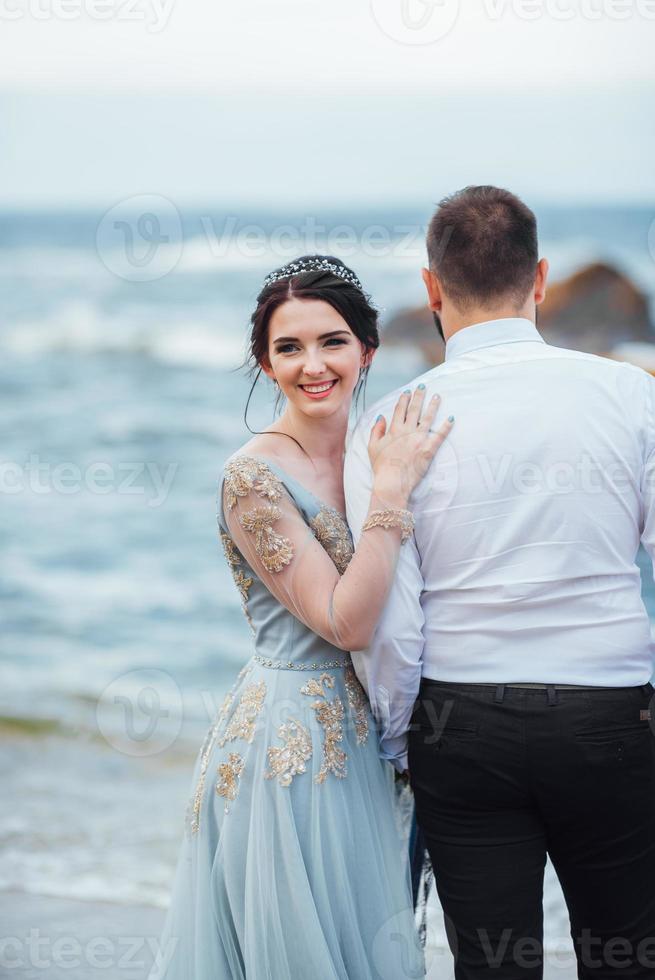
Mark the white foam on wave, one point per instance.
(81, 327)
(53, 866)
(75, 326)
(197, 346)
(140, 587)
(52, 883)
(73, 839)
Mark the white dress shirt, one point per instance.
(522, 565)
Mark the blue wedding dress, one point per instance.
(293, 865)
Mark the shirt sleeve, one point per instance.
(389, 669)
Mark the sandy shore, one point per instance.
(62, 939)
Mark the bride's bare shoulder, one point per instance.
(274, 445)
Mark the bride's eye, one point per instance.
(290, 348)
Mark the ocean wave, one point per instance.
(141, 588)
(81, 327)
(104, 317)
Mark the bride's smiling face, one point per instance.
(314, 356)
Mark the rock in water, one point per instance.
(594, 310)
(415, 328)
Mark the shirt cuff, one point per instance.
(394, 750)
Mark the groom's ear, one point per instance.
(433, 288)
(540, 281)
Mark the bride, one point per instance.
(292, 865)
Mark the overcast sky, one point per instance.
(290, 100)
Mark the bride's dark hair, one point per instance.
(351, 302)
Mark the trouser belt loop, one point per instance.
(500, 693)
(645, 690)
(552, 695)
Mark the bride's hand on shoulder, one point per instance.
(401, 452)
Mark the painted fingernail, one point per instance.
(421, 386)
(378, 418)
(407, 391)
(451, 418)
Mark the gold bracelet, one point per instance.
(404, 519)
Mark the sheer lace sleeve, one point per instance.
(275, 540)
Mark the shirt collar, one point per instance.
(490, 333)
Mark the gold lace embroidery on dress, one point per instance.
(288, 760)
(243, 582)
(358, 704)
(314, 688)
(330, 717)
(331, 531)
(242, 723)
(229, 772)
(274, 550)
(193, 809)
(226, 705)
(244, 473)
(231, 554)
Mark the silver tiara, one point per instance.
(312, 265)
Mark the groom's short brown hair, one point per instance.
(482, 245)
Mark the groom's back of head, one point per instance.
(482, 246)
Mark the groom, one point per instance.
(515, 648)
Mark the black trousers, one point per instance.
(503, 776)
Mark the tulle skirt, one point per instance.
(294, 862)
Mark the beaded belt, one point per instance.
(290, 665)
